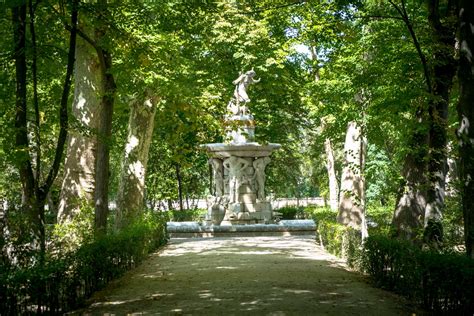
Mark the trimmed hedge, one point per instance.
(62, 283)
(291, 212)
(191, 215)
(443, 283)
(338, 239)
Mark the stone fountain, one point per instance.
(239, 165)
(238, 205)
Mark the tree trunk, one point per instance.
(132, 180)
(352, 199)
(444, 69)
(465, 109)
(104, 129)
(4, 260)
(331, 169)
(21, 138)
(180, 187)
(79, 168)
(410, 208)
(101, 196)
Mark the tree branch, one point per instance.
(403, 13)
(63, 113)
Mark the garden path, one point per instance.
(244, 276)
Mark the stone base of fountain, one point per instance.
(282, 228)
(239, 173)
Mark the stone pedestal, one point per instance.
(239, 176)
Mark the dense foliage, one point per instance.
(107, 103)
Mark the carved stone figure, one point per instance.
(218, 176)
(241, 84)
(216, 207)
(235, 166)
(259, 165)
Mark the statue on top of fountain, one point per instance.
(240, 94)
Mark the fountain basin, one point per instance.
(223, 150)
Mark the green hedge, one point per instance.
(192, 215)
(442, 283)
(63, 282)
(337, 239)
(291, 212)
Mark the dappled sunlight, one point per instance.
(258, 275)
(226, 268)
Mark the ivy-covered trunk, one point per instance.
(465, 109)
(352, 196)
(132, 180)
(79, 168)
(444, 69)
(411, 202)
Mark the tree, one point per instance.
(465, 111)
(78, 184)
(131, 192)
(423, 197)
(35, 193)
(352, 199)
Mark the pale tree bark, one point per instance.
(79, 168)
(465, 109)
(132, 180)
(330, 161)
(331, 169)
(352, 195)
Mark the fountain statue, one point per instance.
(238, 165)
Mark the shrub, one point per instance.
(442, 283)
(337, 239)
(192, 215)
(63, 281)
(291, 212)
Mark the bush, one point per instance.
(291, 212)
(379, 219)
(193, 215)
(63, 281)
(442, 283)
(337, 239)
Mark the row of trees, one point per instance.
(402, 65)
(391, 79)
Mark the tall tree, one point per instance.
(131, 192)
(465, 109)
(352, 199)
(104, 129)
(35, 192)
(438, 73)
(78, 184)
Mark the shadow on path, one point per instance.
(243, 276)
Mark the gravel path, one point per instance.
(244, 276)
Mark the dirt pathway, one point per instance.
(243, 276)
